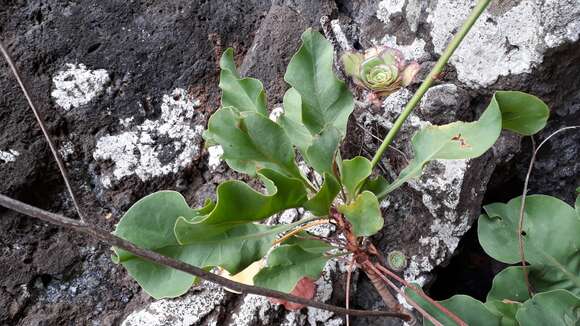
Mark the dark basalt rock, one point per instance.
(147, 49)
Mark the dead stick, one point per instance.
(59, 162)
(348, 278)
(113, 240)
(523, 205)
(444, 310)
(406, 297)
(379, 285)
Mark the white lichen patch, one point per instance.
(183, 311)
(340, 36)
(215, 156)
(66, 149)
(449, 232)
(512, 42)
(156, 147)
(8, 156)
(418, 266)
(411, 9)
(276, 113)
(389, 8)
(447, 182)
(440, 186)
(323, 294)
(441, 192)
(126, 122)
(445, 237)
(413, 51)
(288, 216)
(254, 310)
(393, 106)
(76, 85)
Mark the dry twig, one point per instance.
(523, 205)
(55, 153)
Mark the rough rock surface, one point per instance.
(126, 88)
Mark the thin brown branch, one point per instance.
(112, 240)
(386, 272)
(384, 292)
(406, 297)
(520, 229)
(55, 153)
(349, 269)
(439, 306)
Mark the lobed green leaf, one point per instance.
(150, 222)
(291, 121)
(377, 185)
(317, 106)
(364, 214)
(558, 307)
(470, 310)
(544, 217)
(510, 283)
(292, 261)
(354, 172)
(326, 101)
(237, 203)
(243, 94)
(320, 203)
(516, 111)
(506, 310)
(321, 154)
(522, 113)
(251, 141)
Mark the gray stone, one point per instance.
(445, 103)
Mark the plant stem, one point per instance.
(401, 292)
(479, 8)
(381, 288)
(300, 229)
(420, 293)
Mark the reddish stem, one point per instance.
(444, 310)
(402, 293)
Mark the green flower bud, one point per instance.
(380, 70)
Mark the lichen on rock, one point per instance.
(8, 156)
(155, 147)
(503, 42)
(184, 311)
(76, 85)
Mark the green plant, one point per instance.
(546, 291)
(381, 70)
(317, 106)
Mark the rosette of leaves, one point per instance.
(382, 70)
(227, 233)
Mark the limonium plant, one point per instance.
(164, 243)
(228, 233)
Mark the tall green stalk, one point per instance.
(479, 8)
